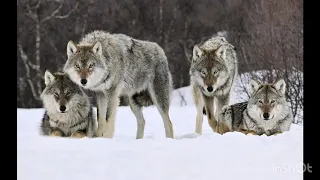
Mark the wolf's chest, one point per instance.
(64, 122)
(263, 127)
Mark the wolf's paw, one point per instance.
(253, 133)
(102, 131)
(222, 128)
(277, 133)
(198, 131)
(55, 133)
(246, 132)
(78, 135)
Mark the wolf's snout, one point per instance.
(266, 116)
(210, 88)
(62, 108)
(83, 81)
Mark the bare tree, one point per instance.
(268, 35)
(276, 44)
(34, 12)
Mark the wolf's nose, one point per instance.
(210, 88)
(83, 81)
(62, 108)
(266, 115)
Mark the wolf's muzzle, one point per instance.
(62, 108)
(266, 116)
(83, 81)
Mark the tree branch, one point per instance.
(25, 60)
(36, 6)
(55, 12)
(67, 15)
(31, 15)
(183, 101)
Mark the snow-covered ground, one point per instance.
(187, 157)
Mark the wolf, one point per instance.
(213, 72)
(114, 65)
(266, 111)
(68, 112)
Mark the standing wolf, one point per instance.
(67, 108)
(266, 111)
(114, 65)
(213, 72)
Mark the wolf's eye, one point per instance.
(260, 101)
(203, 72)
(77, 66)
(215, 72)
(273, 101)
(91, 65)
(68, 93)
(56, 94)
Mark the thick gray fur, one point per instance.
(125, 67)
(225, 60)
(79, 115)
(248, 116)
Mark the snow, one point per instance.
(187, 157)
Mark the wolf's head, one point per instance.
(60, 93)
(208, 69)
(267, 101)
(86, 65)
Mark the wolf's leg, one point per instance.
(220, 102)
(92, 125)
(224, 120)
(101, 98)
(137, 111)
(160, 91)
(199, 104)
(208, 104)
(78, 134)
(107, 106)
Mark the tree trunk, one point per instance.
(38, 70)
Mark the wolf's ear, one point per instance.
(253, 86)
(48, 77)
(197, 53)
(71, 48)
(97, 48)
(221, 52)
(280, 85)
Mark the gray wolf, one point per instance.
(68, 111)
(213, 72)
(266, 111)
(114, 65)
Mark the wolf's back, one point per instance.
(234, 114)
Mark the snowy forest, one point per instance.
(267, 34)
